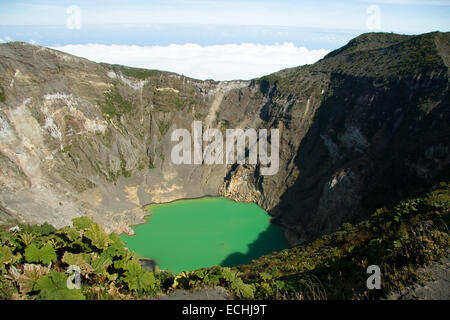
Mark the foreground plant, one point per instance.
(400, 239)
(36, 268)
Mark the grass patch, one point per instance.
(80, 184)
(163, 127)
(114, 105)
(125, 172)
(166, 100)
(137, 73)
(198, 116)
(65, 149)
(2, 94)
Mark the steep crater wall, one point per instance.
(366, 125)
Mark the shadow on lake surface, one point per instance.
(268, 241)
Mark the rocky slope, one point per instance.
(366, 125)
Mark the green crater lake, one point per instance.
(190, 234)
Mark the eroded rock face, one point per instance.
(79, 138)
(242, 185)
(366, 125)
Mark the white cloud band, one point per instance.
(218, 62)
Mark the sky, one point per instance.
(397, 15)
(233, 38)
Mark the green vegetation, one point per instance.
(113, 176)
(166, 100)
(418, 55)
(266, 82)
(34, 261)
(284, 84)
(65, 149)
(215, 276)
(125, 172)
(402, 56)
(2, 94)
(369, 41)
(80, 184)
(136, 73)
(179, 105)
(163, 126)
(114, 105)
(400, 239)
(225, 124)
(191, 105)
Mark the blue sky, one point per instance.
(407, 16)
